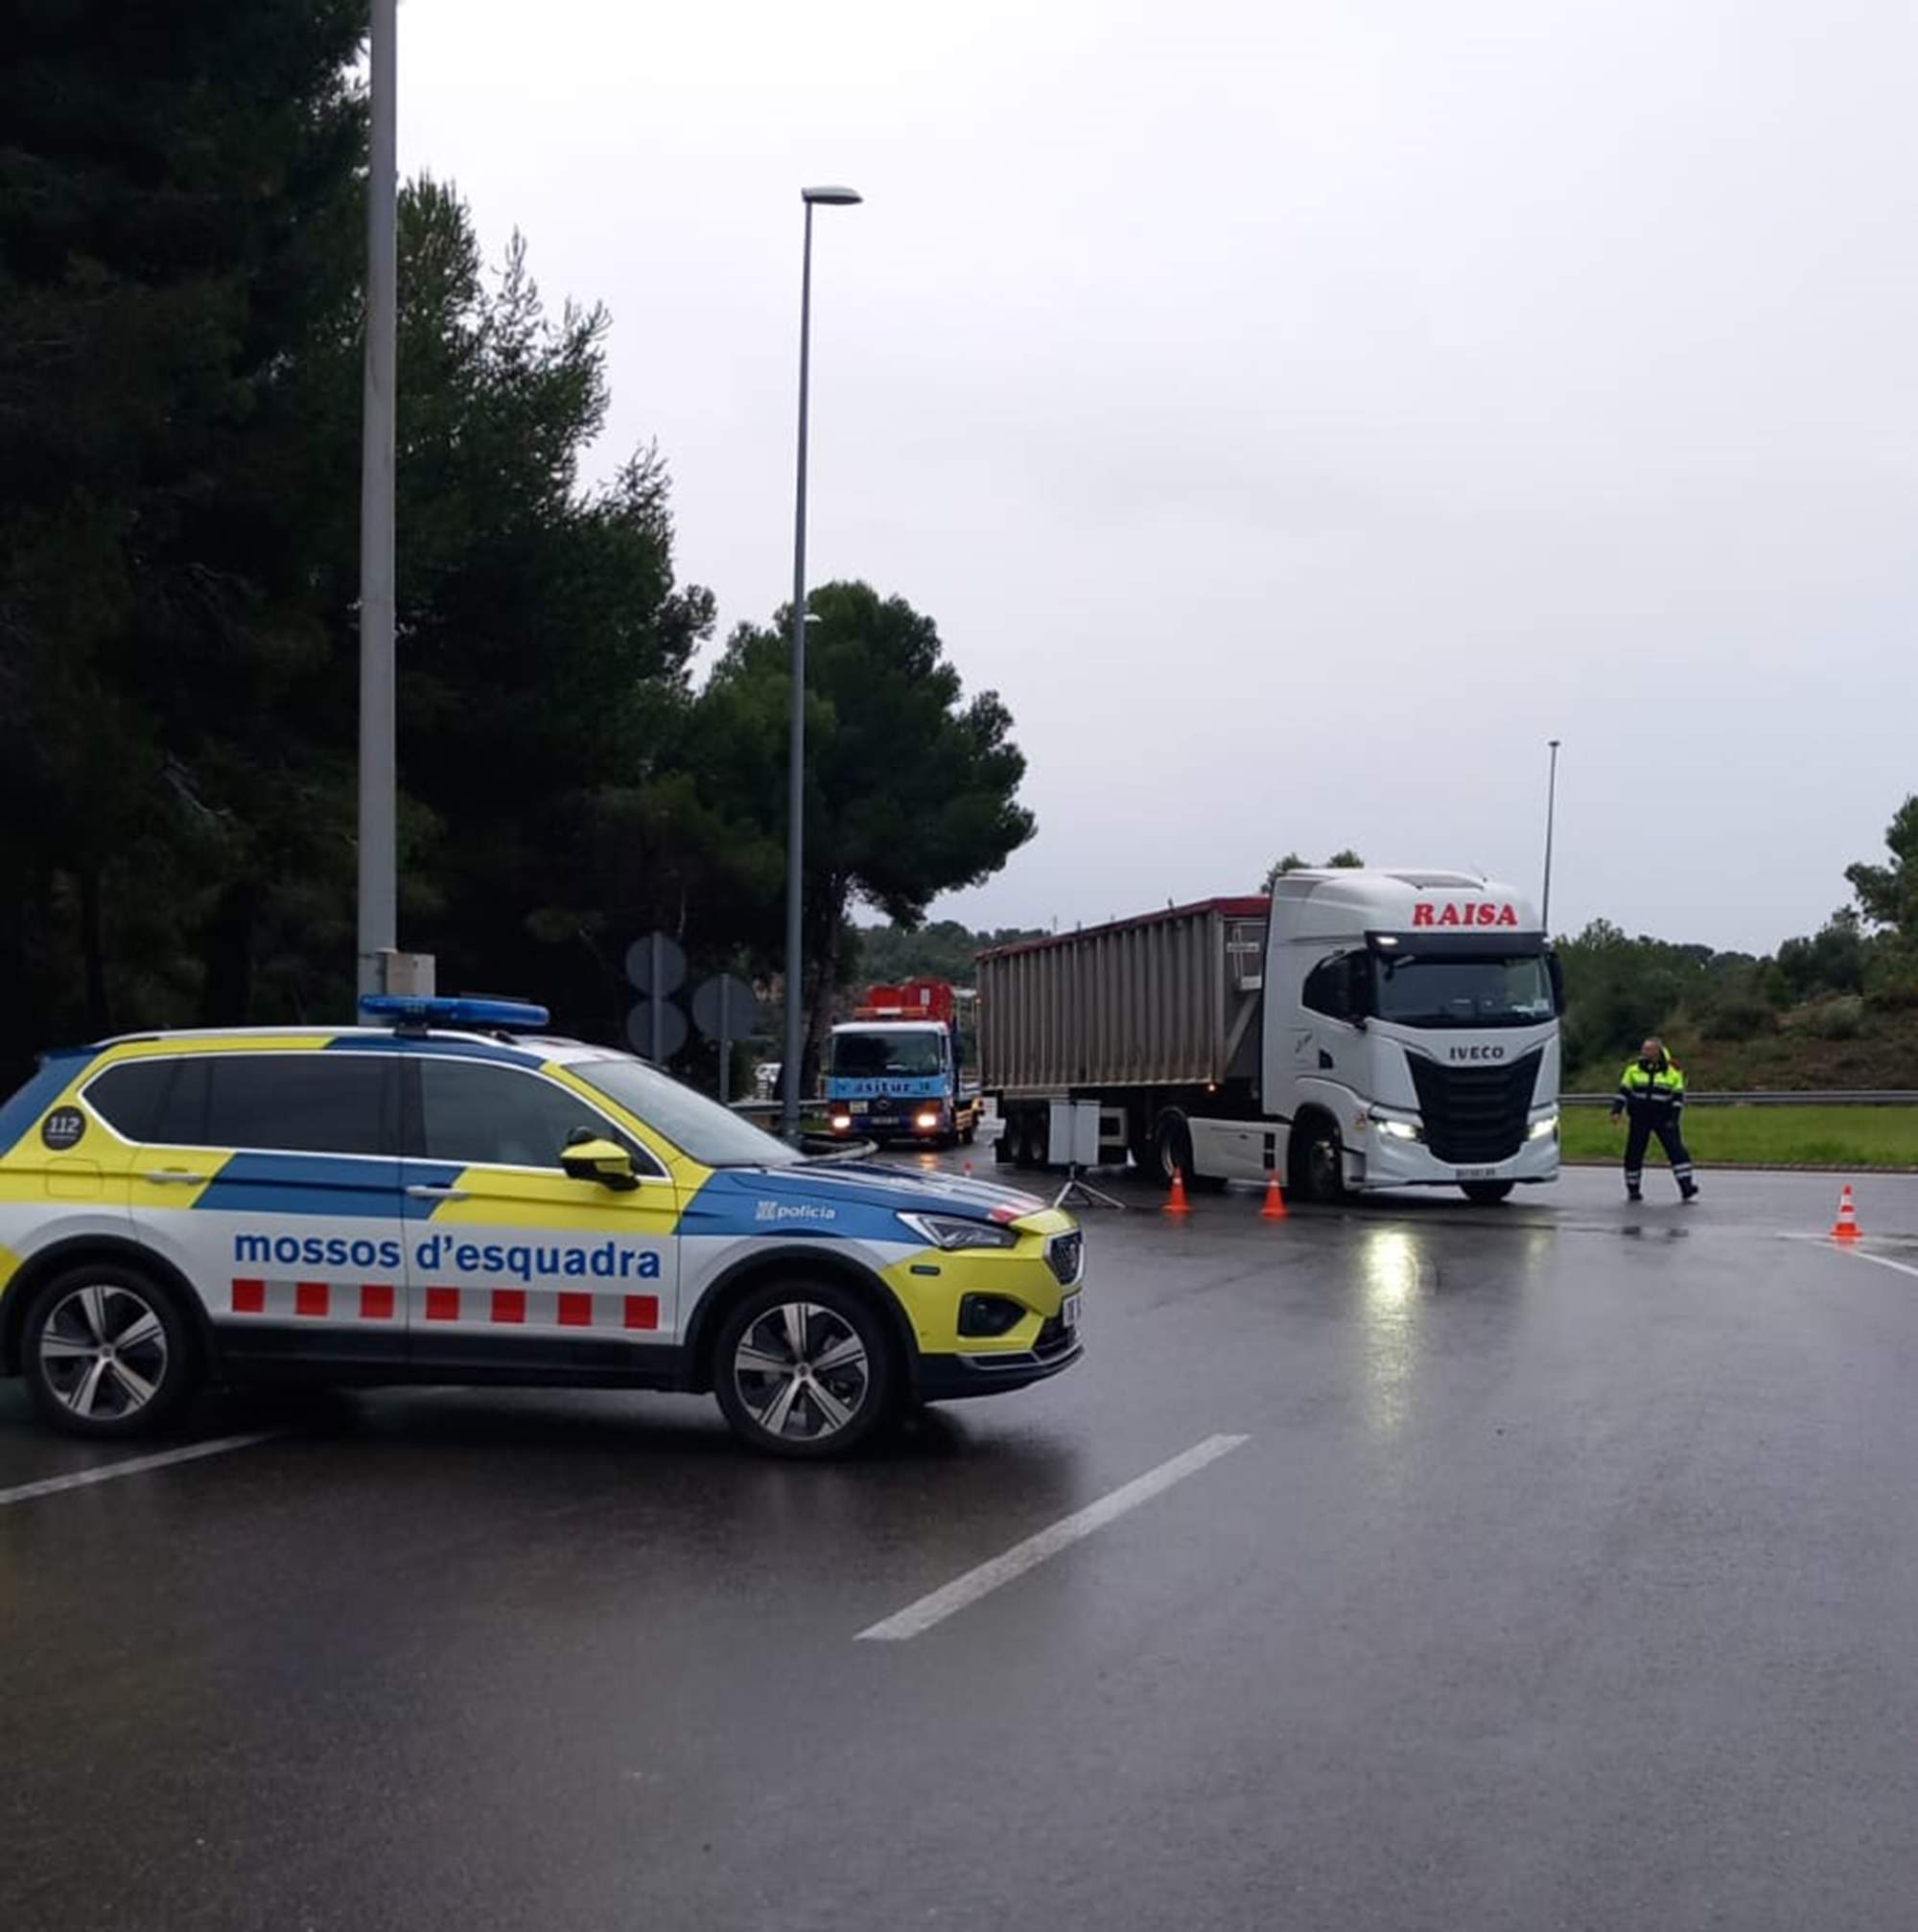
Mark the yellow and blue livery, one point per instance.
(454, 1197)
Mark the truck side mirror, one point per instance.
(1558, 973)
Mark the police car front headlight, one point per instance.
(1546, 1124)
(950, 1232)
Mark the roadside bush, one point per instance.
(1776, 986)
(1738, 1019)
(1891, 980)
(1837, 1018)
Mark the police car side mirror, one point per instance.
(601, 1161)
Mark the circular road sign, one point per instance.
(671, 1027)
(671, 964)
(745, 1021)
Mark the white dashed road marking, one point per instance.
(111, 1472)
(917, 1617)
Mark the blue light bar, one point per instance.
(487, 1014)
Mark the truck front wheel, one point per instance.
(1319, 1161)
(1485, 1193)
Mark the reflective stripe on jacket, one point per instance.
(1642, 1086)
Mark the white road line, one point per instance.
(111, 1472)
(1881, 1261)
(917, 1617)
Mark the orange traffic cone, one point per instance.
(1274, 1201)
(1846, 1228)
(1176, 1202)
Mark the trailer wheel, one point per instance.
(1171, 1147)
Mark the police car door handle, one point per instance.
(426, 1193)
(172, 1176)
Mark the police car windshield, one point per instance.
(711, 1134)
(1489, 991)
(868, 1056)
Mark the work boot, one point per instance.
(1688, 1190)
(1632, 1194)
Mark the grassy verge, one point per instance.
(1765, 1136)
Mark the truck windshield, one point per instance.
(868, 1056)
(1488, 991)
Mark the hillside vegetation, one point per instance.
(1834, 1043)
(1838, 1007)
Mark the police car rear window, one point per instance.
(128, 1096)
(303, 1103)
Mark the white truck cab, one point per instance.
(1412, 1032)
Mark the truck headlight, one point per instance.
(1546, 1125)
(841, 1122)
(950, 1232)
(1398, 1130)
(928, 1120)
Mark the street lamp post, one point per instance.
(795, 838)
(1551, 812)
(378, 908)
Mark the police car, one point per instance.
(445, 1196)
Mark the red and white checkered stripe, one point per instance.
(376, 1301)
(539, 1308)
(466, 1307)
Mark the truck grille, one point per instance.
(1063, 1256)
(1475, 1116)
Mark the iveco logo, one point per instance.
(1477, 1052)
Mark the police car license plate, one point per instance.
(1069, 1313)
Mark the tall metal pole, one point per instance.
(379, 918)
(795, 838)
(1551, 813)
(795, 831)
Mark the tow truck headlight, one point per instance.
(1398, 1130)
(841, 1122)
(1546, 1124)
(950, 1232)
(927, 1119)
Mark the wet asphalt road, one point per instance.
(1567, 1577)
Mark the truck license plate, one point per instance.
(1478, 1174)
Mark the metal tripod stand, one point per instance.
(1076, 1192)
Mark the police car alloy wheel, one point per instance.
(106, 1353)
(803, 1370)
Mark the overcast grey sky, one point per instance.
(1298, 410)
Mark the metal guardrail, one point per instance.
(1855, 1097)
(768, 1109)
